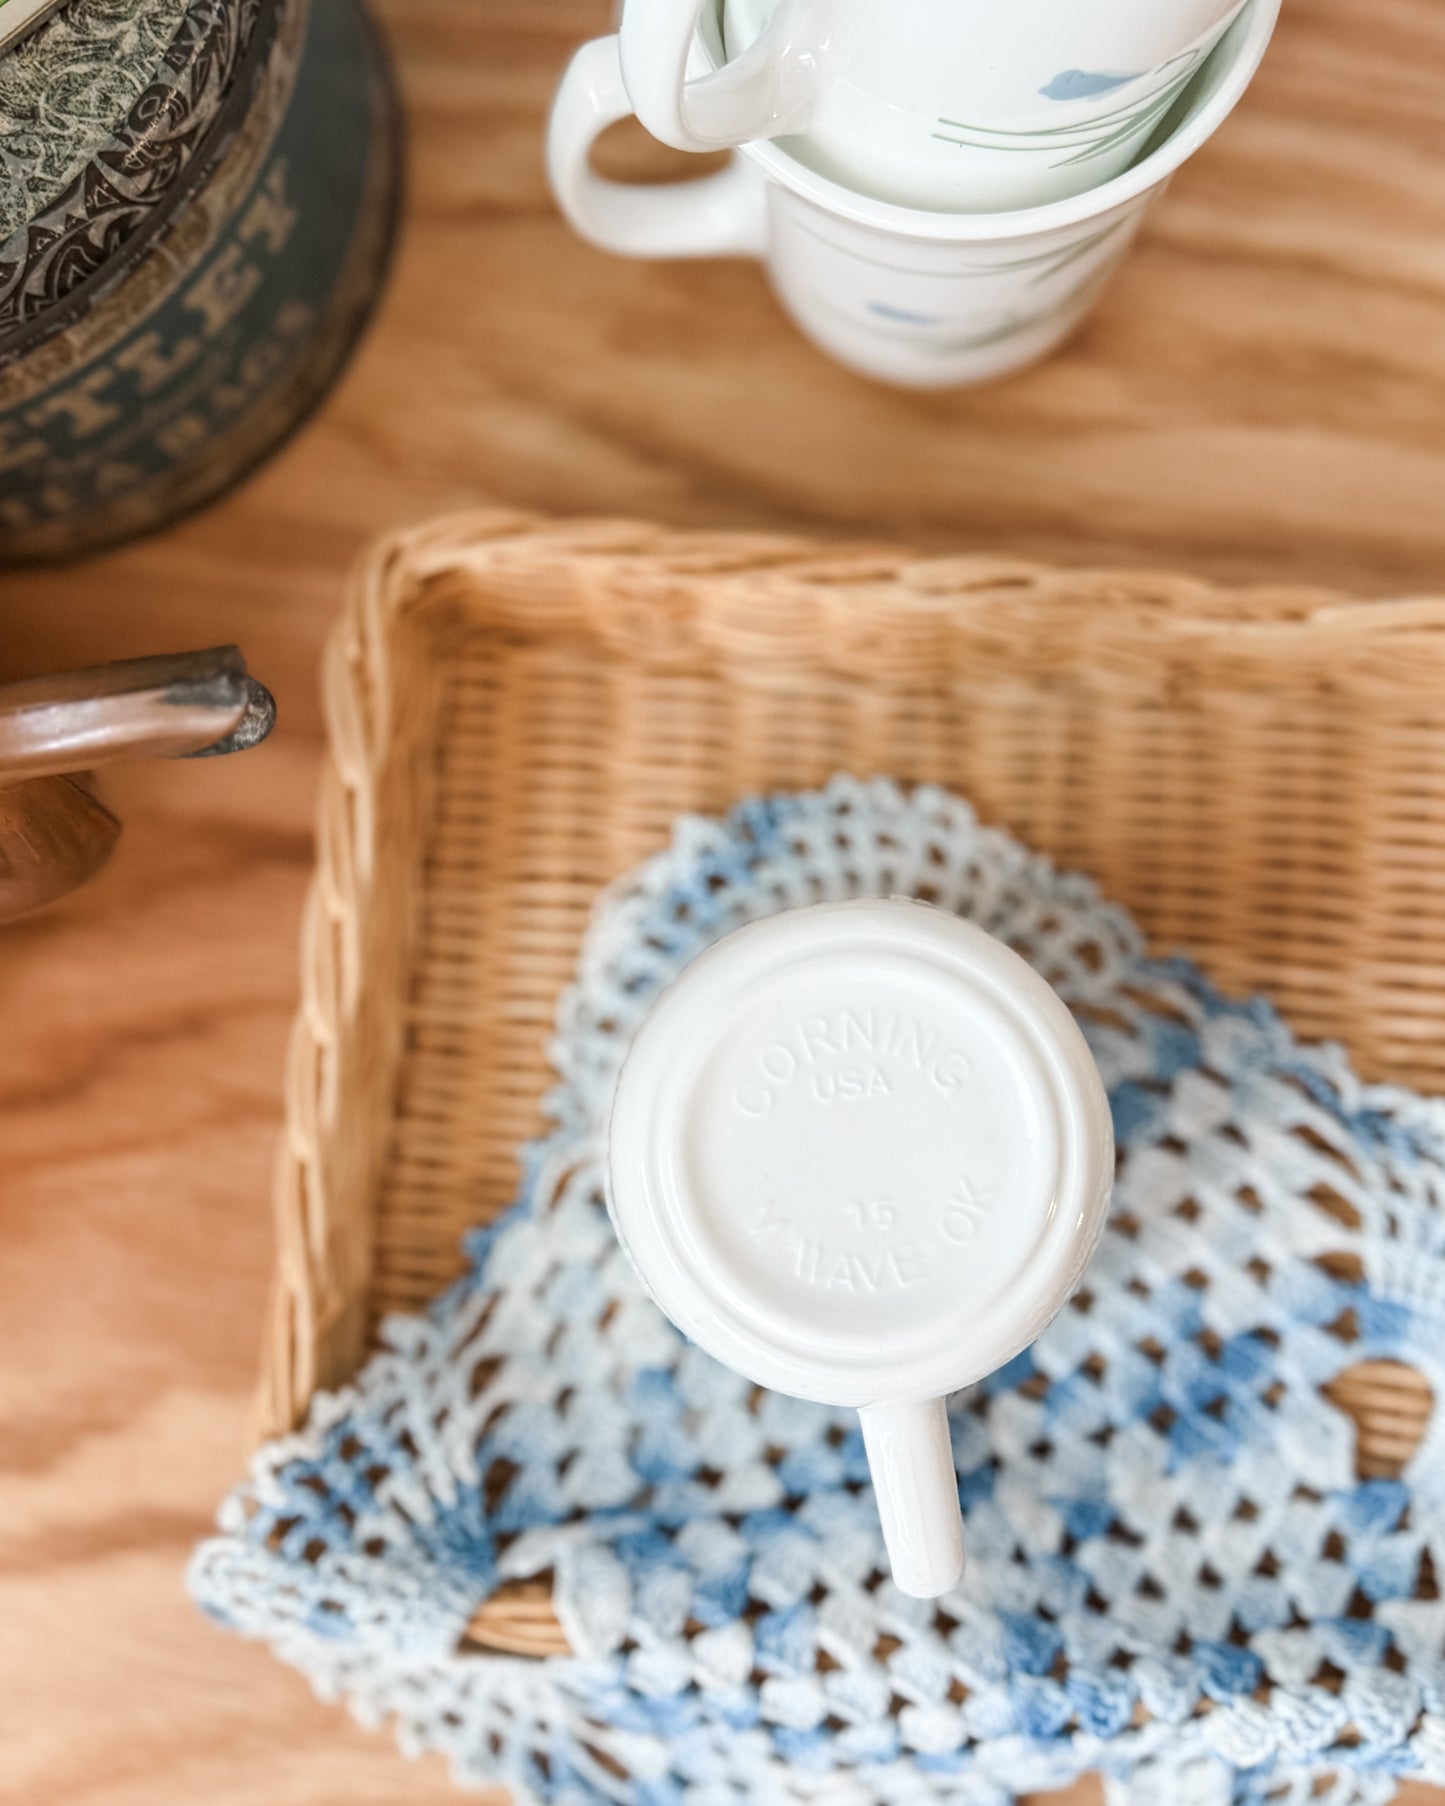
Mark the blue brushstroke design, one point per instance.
(902, 313)
(1084, 84)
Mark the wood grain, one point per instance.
(1263, 397)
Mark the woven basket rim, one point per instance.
(906, 618)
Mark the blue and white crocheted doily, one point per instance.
(1176, 1577)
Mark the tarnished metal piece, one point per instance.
(54, 834)
(167, 707)
(250, 730)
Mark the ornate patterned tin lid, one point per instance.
(102, 110)
(66, 91)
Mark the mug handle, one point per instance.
(910, 1457)
(769, 89)
(719, 215)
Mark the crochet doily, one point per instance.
(1175, 1576)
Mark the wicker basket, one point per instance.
(519, 709)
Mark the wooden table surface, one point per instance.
(1263, 397)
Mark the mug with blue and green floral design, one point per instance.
(946, 105)
(924, 298)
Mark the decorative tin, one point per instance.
(172, 310)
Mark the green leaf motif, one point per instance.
(1084, 140)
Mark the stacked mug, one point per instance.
(940, 189)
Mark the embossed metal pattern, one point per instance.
(64, 90)
(175, 127)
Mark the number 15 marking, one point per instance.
(872, 1213)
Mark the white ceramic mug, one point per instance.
(949, 105)
(860, 1153)
(922, 299)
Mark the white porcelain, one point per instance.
(903, 295)
(948, 105)
(861, 1154)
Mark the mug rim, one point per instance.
(963, 228)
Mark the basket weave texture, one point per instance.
(518, 710)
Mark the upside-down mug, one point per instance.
(860, 1153)
(950, 105)
(923, 299)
